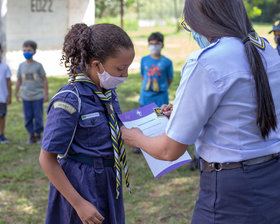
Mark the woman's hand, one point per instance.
(130, 136)
(167, 109)
(88, 213)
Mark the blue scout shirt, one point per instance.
(156, 73)
(215, 105)
(93, 136)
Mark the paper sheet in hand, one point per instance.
(152, 123)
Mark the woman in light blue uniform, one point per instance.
(228, 105)
(86, 181)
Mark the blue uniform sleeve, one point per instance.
(197, 98)
(62, 118)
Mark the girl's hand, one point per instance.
(130, 136)
(88, 213)
(167, 109)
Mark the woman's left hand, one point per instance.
(130, 136)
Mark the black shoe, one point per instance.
(31, 140)
(194, 164)
(3, 139)
(136, 150)
(38, 139)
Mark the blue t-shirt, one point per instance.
(156, 73)
(278, 49)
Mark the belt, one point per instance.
(93, 161)
(210, 167)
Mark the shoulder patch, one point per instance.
(65, 106)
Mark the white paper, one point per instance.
(152, 125)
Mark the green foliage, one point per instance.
(167, 10)
(252, 10)
(111, 7)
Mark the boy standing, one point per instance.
(156, 72)
(5, 94)
(276, 31)
(34, 91)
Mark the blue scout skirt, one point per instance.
(248, 195)
(97, 184)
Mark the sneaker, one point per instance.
(136, 150)
(31, 140)
(38, 139)
(194, 164)
(3, 139)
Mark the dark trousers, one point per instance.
(33, 116)
(248, 195)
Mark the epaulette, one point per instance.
(256, 40)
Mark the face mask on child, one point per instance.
(28, 55)
(109, 82)
(201, 40)
(155, 48)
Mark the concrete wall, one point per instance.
(46, 22)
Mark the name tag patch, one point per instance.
(65, 106)
(87, 116)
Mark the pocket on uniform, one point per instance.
(92, 129)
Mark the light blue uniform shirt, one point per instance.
(215, 105)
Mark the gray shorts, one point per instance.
(3, 109)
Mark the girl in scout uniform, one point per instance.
(228, 105)
(82, 126)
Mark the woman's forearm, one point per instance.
(160, 147)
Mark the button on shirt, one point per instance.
(215, 105)
(92, 137)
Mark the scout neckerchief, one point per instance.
(117, 142)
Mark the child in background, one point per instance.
(276, 32)
(156, 72)
(5, 94)
(157, 75)
(82, 125)
(31, 77)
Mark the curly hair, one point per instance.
(83, 44)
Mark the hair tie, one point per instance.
(246, 39)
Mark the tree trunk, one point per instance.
(122, 14)
(176, 15)
(3, 5)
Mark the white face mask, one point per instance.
(108, 81)
(155, 48)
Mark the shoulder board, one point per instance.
(256, 40)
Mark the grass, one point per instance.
(169, 199)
